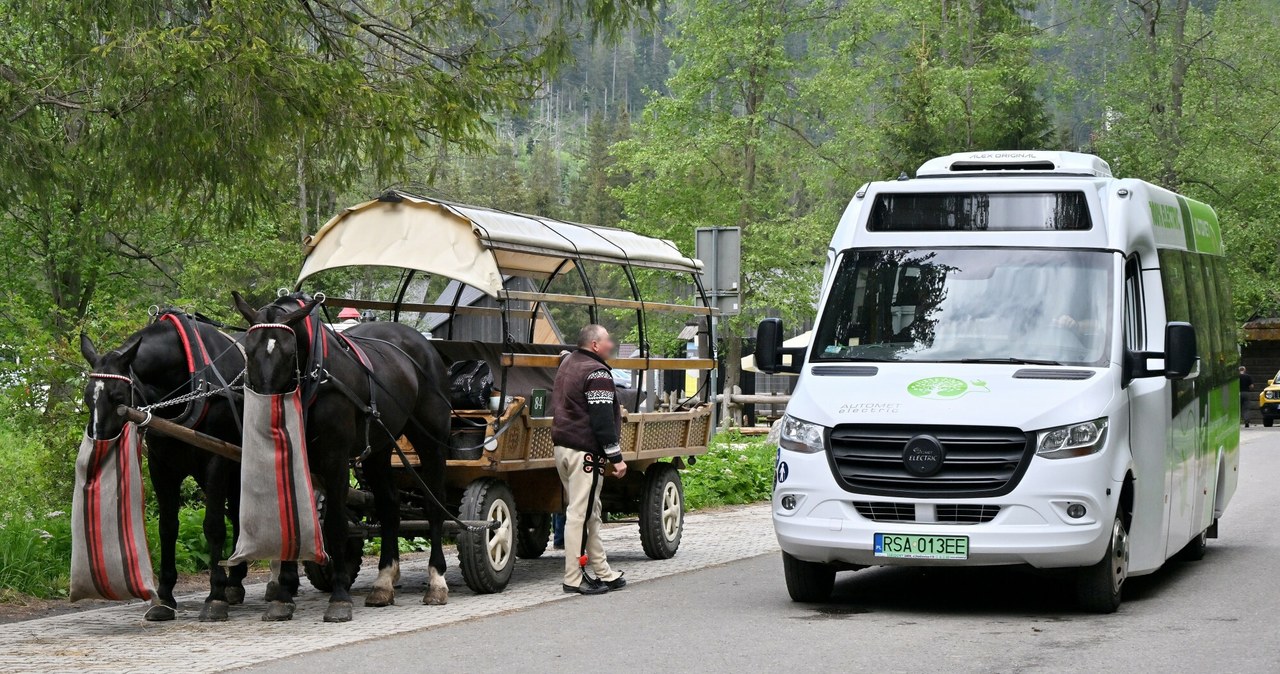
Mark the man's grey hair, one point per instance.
(589, 334)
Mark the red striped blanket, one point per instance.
(278, 519)
(109, 555)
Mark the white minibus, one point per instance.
(1018, 359)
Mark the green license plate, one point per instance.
(910, 546)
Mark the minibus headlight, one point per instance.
(1065, 442)
(800, 436)
(1270, 394)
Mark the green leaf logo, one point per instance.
(945, 388)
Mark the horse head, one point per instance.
(110, 385)
(274, 349)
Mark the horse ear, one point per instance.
(249, 313)
(130, 352)
(88, 351)
(299, 314)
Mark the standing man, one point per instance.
(1246, 385)
(587, 421)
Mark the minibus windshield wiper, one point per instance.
(858, 359)
(1007, 361)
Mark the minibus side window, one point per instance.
(1173, 278)
(1135, 325)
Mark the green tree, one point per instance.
(966, 79)
(722, 150)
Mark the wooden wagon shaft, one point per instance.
(178, 432)
(208, 443)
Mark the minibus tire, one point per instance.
(1194, 550)
(1267, 421)
(808, 582)
(1097, 587)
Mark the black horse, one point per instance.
(166, 359)
(289, 347)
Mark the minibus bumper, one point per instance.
(1033, 526)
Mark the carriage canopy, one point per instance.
(475, 245)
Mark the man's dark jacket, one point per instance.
(585, 406)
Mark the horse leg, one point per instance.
(386, 502)
(167, 484)
(336, 527)
(280, 604)
(215, 533)
(432, 470)
(235, 582)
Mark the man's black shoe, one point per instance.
(588, 587)
(617, 583)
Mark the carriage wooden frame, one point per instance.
(514, 482)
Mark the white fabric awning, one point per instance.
(474, 245)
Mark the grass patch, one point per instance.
(736, 469)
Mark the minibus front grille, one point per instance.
(966, 513)
(979, 461)
(886, 512)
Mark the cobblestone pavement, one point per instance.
(117, 639)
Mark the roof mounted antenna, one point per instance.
(390, 197)
(903, 176)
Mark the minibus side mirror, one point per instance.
(1179, 350)
(1180, 358)
(769, 345)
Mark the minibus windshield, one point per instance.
(1003, 305)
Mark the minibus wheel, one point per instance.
(1194, 549)
(1098, 587)
(808, 581)
(1267, 421)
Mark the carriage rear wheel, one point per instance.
(661, 511)
(532, 534)
(486, 558)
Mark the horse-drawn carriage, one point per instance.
(485, 469)
(500, 467)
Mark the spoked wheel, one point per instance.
(1098, 587)
(662, 511)
(532, 534)
(486, 558)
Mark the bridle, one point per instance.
(297, 371)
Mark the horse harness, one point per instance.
(202, 373)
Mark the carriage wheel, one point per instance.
(487, 558)
(661, 511)
(531, 535)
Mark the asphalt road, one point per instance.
(1216, 615)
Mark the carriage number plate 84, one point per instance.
(907, 546)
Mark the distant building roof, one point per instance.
(1262, 330)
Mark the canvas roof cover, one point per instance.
(473, 245)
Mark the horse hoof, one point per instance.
(235, 595)
(338, 612)
(214, 611)
(380, 597)
(435, 597)
(278, 610)
(273, 591)
(160, 613)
